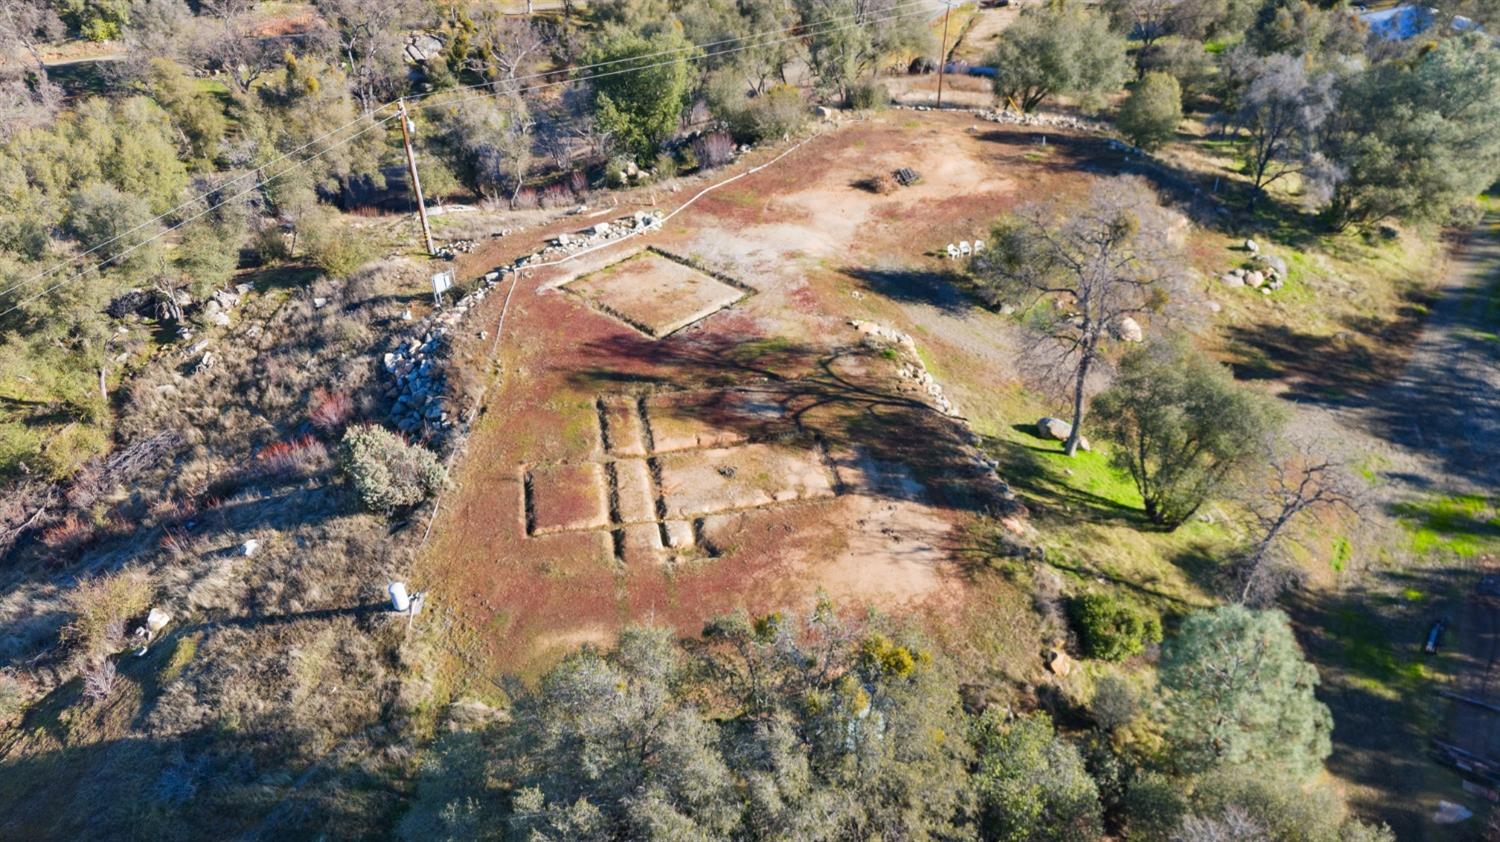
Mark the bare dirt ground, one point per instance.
(761, 453)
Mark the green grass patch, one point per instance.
(1465, 525)
(1343, 551)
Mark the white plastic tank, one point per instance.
(399, 599)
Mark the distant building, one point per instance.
(1402, 22)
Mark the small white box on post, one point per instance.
(441, 283)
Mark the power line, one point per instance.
(371, 114)
(380, 123)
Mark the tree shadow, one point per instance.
(1330, 370)
(915, 286)
(1048, 492)
(1367, 644)
(845, 401)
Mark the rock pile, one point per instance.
(450, 250)
(1060, 121)
(216, 309)
(1268, 275)
(419, 399)
(915, 370)
(419, 396)
(566, 243)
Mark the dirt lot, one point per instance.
(763, 450)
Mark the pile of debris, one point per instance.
(450, 250)
(566, 243)
(419, 400)
(419, 404)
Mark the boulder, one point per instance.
(1255, 279)
(1057, 429)
(1251, 246)
(1129, 330)
(1274, 265)
(1233, 281)
(1059, 663)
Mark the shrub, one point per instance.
(526, 199)
(334, 250)
(100, 607)
(99, 679)
(387, 472)
(556, 195)
(1150, 114)
(616, 173)
(70, 532)
(778, 112)
(1111, 628)
(285, 458)
(869, 94)
(714, 149)
(329, 411)
(666, 165)
(177, 542)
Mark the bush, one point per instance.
(69, 533)
(1111, 628)
(869, 94)
(287, 458)
(334, 250)
(1150, 114)
(329, 411)
(778, 112)
(714, 149)
(666, 165)
(556, 195)
(100, 608)
(616, 173)
(387, 472)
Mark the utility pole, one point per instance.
(416, 181)
(943, 55)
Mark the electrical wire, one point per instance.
(371, 114)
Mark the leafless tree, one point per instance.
(1282, 110)
(1233, 825)
(227, 38)
(1080, 269)
(501, 46)
(27, 95)
(1301, 480)
(30, 24)
(371, 37)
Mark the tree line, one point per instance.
(1366, 129)
(829, 727)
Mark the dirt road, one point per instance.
(1445, 407)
